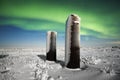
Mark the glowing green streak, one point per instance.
(58, 14)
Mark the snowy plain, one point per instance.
(97, 63)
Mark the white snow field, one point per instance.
(97, 63)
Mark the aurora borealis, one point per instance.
(26, 21)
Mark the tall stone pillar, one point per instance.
(51, 46)
(72, 42)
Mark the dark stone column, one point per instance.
(51, 46)
(72, 42)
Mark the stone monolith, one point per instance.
(72, 42)
(51, 46)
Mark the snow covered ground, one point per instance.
(97, 63)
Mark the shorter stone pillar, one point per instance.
(51, 46)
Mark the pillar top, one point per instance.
(52, 32)
(75, 16)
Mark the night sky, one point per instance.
(24, 23)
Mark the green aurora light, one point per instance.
(99, 18)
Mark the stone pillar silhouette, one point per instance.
(51, 46)
(72, 42)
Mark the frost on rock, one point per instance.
(90, 60)
(41, 72)
(108, 70)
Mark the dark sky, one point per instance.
(25, 22)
